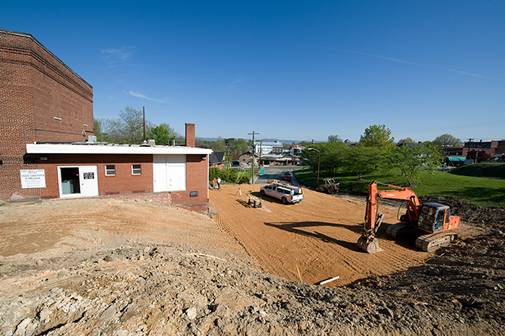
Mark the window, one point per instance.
(110, 170)
(136, 169)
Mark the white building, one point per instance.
(267, 147)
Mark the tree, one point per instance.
(128, 128)
(162, 134)
(406, 141)
(334, 138)
(98, 130)
(447, 140)
(236, 147)
(361, 160)
(377, 135)
(410, 160)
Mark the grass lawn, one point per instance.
(483, 191)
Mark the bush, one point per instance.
(230, 175)
(496, 170)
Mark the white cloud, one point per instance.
(140, 95)
(403, 61)
(117, 56)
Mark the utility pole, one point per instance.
(144, 123)
(261, 150)
(253, 133)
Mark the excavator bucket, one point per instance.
(368, 244)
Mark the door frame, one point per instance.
(80, 193)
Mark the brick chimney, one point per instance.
(190, 135)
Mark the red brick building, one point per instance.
(41, 99)
(46, 115)
(483, 150)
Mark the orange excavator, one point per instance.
(431, 222)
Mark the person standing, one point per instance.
(218, 183)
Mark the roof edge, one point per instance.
(112, 149)
(33, 38)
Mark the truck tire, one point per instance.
(284, 200)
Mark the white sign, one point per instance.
(33, 178)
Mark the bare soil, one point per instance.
(311, 240)
(83, 223)
(110, 267)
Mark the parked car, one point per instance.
(287, 176)
(286, 193)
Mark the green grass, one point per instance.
(482, 170)
(486, 192)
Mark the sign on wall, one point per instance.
(33, 178)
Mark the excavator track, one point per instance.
(434, 241)
(400, 230)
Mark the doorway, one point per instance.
(79, 181)
(169, 173)
(70, 181)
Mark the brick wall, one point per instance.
(196, 180)
(125, 183)
(35, 87)
(500, 149)
(189, 135)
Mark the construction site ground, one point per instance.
(312, 240)
(113, 267)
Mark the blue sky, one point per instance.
(287, 69)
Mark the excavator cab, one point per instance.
(432, 217)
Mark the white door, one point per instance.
(169, 173)
(159, 173)
(88, 178)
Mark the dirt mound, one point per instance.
(465, 279)
(121, 268)
(471, 213)
(169, 289)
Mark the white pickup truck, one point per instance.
(286, 193)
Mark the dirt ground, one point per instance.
(111, 267)
(312, 240)
(66, 225)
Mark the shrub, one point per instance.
(229, 175)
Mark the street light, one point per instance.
(318, 160)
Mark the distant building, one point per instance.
(216, 159)
(279, 160)
(483, 150)
(267, 147)
(245, 159)
(452, 150)
(296, 150)
(455, 161)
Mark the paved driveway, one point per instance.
(275, 173)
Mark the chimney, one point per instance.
(190, 135)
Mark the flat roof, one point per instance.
(111, 149)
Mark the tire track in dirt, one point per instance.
(314, 239)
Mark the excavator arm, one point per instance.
(373, 218)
